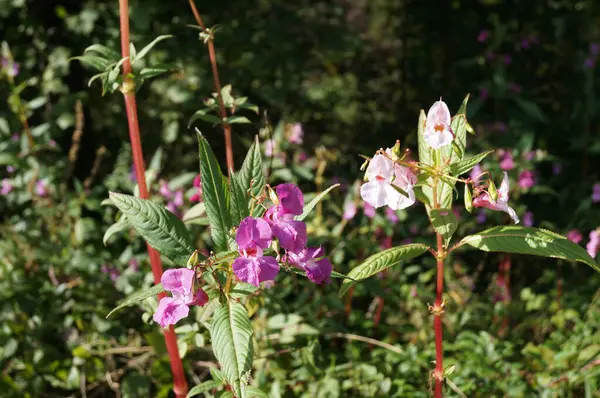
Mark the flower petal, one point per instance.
(397, 201)
(269, 268)
(170, 311)
(200, 299)
(291, 234)
(437, 139)
(178, 281)
(253, 233)
(503, 190)
(374, 193)
(319, 271)
(291, 198)
(380, 167)
(247, 269)
(439, 113)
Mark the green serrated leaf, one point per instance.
(157, 225)
(236, 119)
(311, 205)
(105, 52)
(215, 194)
(155, 70)
(238, 201)
(444, 222)
(120, 226)
(144, 51)
(203, 114)
(231, 336)
(528, 240)
(94, 61)
(251, 177)
(465, 165)
(204, 387)
(255, 392)
(198, 211)
(137, 297)
(382, 260)
(424, 149)
(217, 375)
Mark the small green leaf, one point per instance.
(444, 222)
(231, 336)
(157, 225)
(94, 61)
(236, 119)
(256, 392)
(238, 201)
(251, 177)
(217, 375)
(198, 211)
(465, 165)
(203, 114)
(102, 76)
(380, 261)
(120, 226)
(105, 52)
(203, 388)
(424, 148)
(492, 190)
(155, 70)
(144, 51)
(215, 194)
(527, 240)
(311, 205)
(137, 297)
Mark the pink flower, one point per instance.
(180, 282)
(269, 148)
(382, 174)
(296, 134)
(574, 236)
(178, 198)
(172, 208)
(528, 219)
(254, 235)
(527, 179)
(197, 197)
(291, 233)
(507, 162)
(165, 191)
(6, 187)
(594, 243)
(501, 204)
(349, 210)
(391, 215)
(290, 198)
(596, 193)
(41, 188)
(438, 132)
(197, 181)
(368, 210)
(476, 173)
(318, 269)
(483, 36)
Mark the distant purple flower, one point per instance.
(52, 143)
(165, 191)
(10, 169)
(413, 229)
(594, 48)
(318, 269)
(6, 187)
(476, 173)
(514, 87)
(132, 173)
(269, 148)
(556, 168)
(11, 68)
(589, 63)
(529, 155)
(134, 265)
(596, 193)
(349, 210)
(483, 36)
(180, 282)
(368, 210)
(178, 198)
(302, 157)
(594, 243)
(528, 219)
(197, 197)
(507, 59)
(574, 236)
(525, 43)
(490, 56)
(501, 126)
(15, 137)
(507, 162)
(296, 134)
(41, 188)
(527, 179)
(171, 207)
(391, 215)
(481, 217)
(483, 93)
(112, 272)
(253, 236)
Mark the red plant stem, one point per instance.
(180, 386)
(217, 82)
(437, 321)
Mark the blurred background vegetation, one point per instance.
(354, 73)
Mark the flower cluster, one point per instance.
(255, 235)
(180, 282)
(484, 199)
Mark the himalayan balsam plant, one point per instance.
(396, 181)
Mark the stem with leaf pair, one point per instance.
(180, 386)
(438, 307)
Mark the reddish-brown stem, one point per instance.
(217, 82)
(180, 386)
(437, 321)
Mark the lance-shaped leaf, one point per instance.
(444, 222)
(251, 177)
(204, 387)
(144, 51)
(231, 336)
(108, 53)
(238, 201)
(157, 225)
(120, 226)
(137, 297)
(380, 261)
(425, 150)
(214, 193)
(527, 240)
(465, 165)
(311, 205)
(459, 128)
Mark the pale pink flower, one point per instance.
(594, 244)
(574, 236)
(41, 188)
(438, 132)
(501, 204)
(368, 210)
(382, 174)
(269, 148)
(296, 134)
(527, 179)
(507, 162)
(349, 210)
(6, 187)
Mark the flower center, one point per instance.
(251, 251)
(379, 178)
(438, 128)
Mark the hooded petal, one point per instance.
(503, 190)
(396, 200)
(269, 268)
(379, 169)
(437, 138)
(512, 213)
(319, 271)
(178, 281)
(291, 198)
(439, 113)
(253, 233)
(200, 298)
(291, 234)
(247, 269)
(170, 311)
(374, 193)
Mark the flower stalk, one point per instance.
(180, 386)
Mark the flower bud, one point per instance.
(273, 196)
(493, 192)
(468, 198)
(193, 260)
(396, 152)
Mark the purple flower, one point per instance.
(10, 67)
(6, 187)
(112, 272)
(589, 63)
(165, 191)
(180, 282)
(290, 198)
(507, 162)
(296, 134)
(476, 173)
(481, 217)
(596, 193)
(15, 137)
(527, 179)
(556, 168)
(254, 235)
(41, 188)
(525, 43)
(413, 229)
(594, 243)
(528, 219)
(391, 215)
(483, 93)
(132, 173)
(178, 198)
(507, 59)
(197, 181)
(171, 207)
(483, 36)
(594, 48)
(574, 236)
(10, 169)
(349, 210)
(318, 269)
(134, 265)
(368, 210)
(290, 233)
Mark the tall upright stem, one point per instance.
(437, 320)
(217, 82)
(180, 386)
